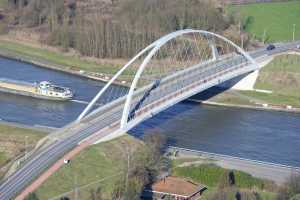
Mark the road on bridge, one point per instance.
(192, 80)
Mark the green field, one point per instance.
(12, 142)
(210, 175)
(277, 19)
(281, 76)
(52, 58)
(98, 166)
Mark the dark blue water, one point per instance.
(266, 136)
(35, 111)
(260, 135)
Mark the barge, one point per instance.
(42, 90)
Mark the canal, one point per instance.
(260, 135)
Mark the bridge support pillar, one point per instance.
(248, 82)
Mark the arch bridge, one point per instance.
(171, 69)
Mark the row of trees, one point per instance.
(129, 26)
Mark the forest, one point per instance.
(113, 28)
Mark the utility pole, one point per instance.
(75, 188)
(128, 166)
(241, 34)
(264, 35)
(26, 144)
(294, 30)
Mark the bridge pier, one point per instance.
(248, 82)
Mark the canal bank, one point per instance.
(264, 170)
(237, 132)
(87, 69)
(45, 129)
(259, 107)
(60, 68)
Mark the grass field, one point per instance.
(57, 59)
(210, 175)
(88, 171)
(281, 76)
(276, 18)
(12, 141)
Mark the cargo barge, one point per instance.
(42, 90)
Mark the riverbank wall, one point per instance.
(44, 129)
(265, 170)
(260, 107)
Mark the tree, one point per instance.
(227, 180)
(128, 26)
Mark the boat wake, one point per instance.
(84, 102)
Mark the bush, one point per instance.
(227, 180)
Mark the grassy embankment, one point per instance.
(277, 19)
(99, 166)
(13, 142)
(56, 58)
(210, 175)
(281, 76)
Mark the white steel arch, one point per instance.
(151, 50)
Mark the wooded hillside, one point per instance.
(113, 28)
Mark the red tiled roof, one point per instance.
(176, 186)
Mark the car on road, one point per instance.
(66, 161)
(271, 47)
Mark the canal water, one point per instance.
(260, 135)
(32, 111)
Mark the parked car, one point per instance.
(298, 46)
(271, 47)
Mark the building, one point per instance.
(173, 188)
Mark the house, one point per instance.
(173, 188)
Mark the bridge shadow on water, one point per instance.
(154, 124)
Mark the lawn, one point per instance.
(100, 165)
(12, 141)
(57, 59)
(281, 76)
(210, 175)
(277, 19)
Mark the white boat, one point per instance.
(42, 90)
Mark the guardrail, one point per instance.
(221, 156)
(244, 2)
